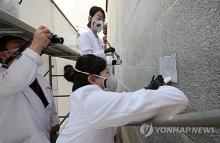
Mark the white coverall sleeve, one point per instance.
(117, 109)
(20, 73)
(86, 46)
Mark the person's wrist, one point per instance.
(36, 47)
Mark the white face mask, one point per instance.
(109, 83)
(98, 25)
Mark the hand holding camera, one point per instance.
(41, 39)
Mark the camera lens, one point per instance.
(56, 39)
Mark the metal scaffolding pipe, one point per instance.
(196, 119)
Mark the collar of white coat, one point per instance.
(87, 88)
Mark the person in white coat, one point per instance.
(27, 110)
(94, 112)
(90, 43)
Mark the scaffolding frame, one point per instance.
(10, 25)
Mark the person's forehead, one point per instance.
(99, 14)
(7, 42)
(15, 43)
(105, 70)
(16, 40)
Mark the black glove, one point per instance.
(160, 79)
(156, 83)
(108, 50)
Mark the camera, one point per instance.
(117, 62)
(56, 39)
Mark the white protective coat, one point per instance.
(94, 113)
(23, 117)
(90, 44)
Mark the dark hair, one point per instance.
(93, 11)
(86, 63)
(5, 39)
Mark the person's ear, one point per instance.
(91, 79)
(89, 19)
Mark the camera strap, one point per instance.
(35, 86)
(15, 55)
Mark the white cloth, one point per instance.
(90, 44)
(95, 112)
(23, 117)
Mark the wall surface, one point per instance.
(145, 30)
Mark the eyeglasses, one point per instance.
(9, 51)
